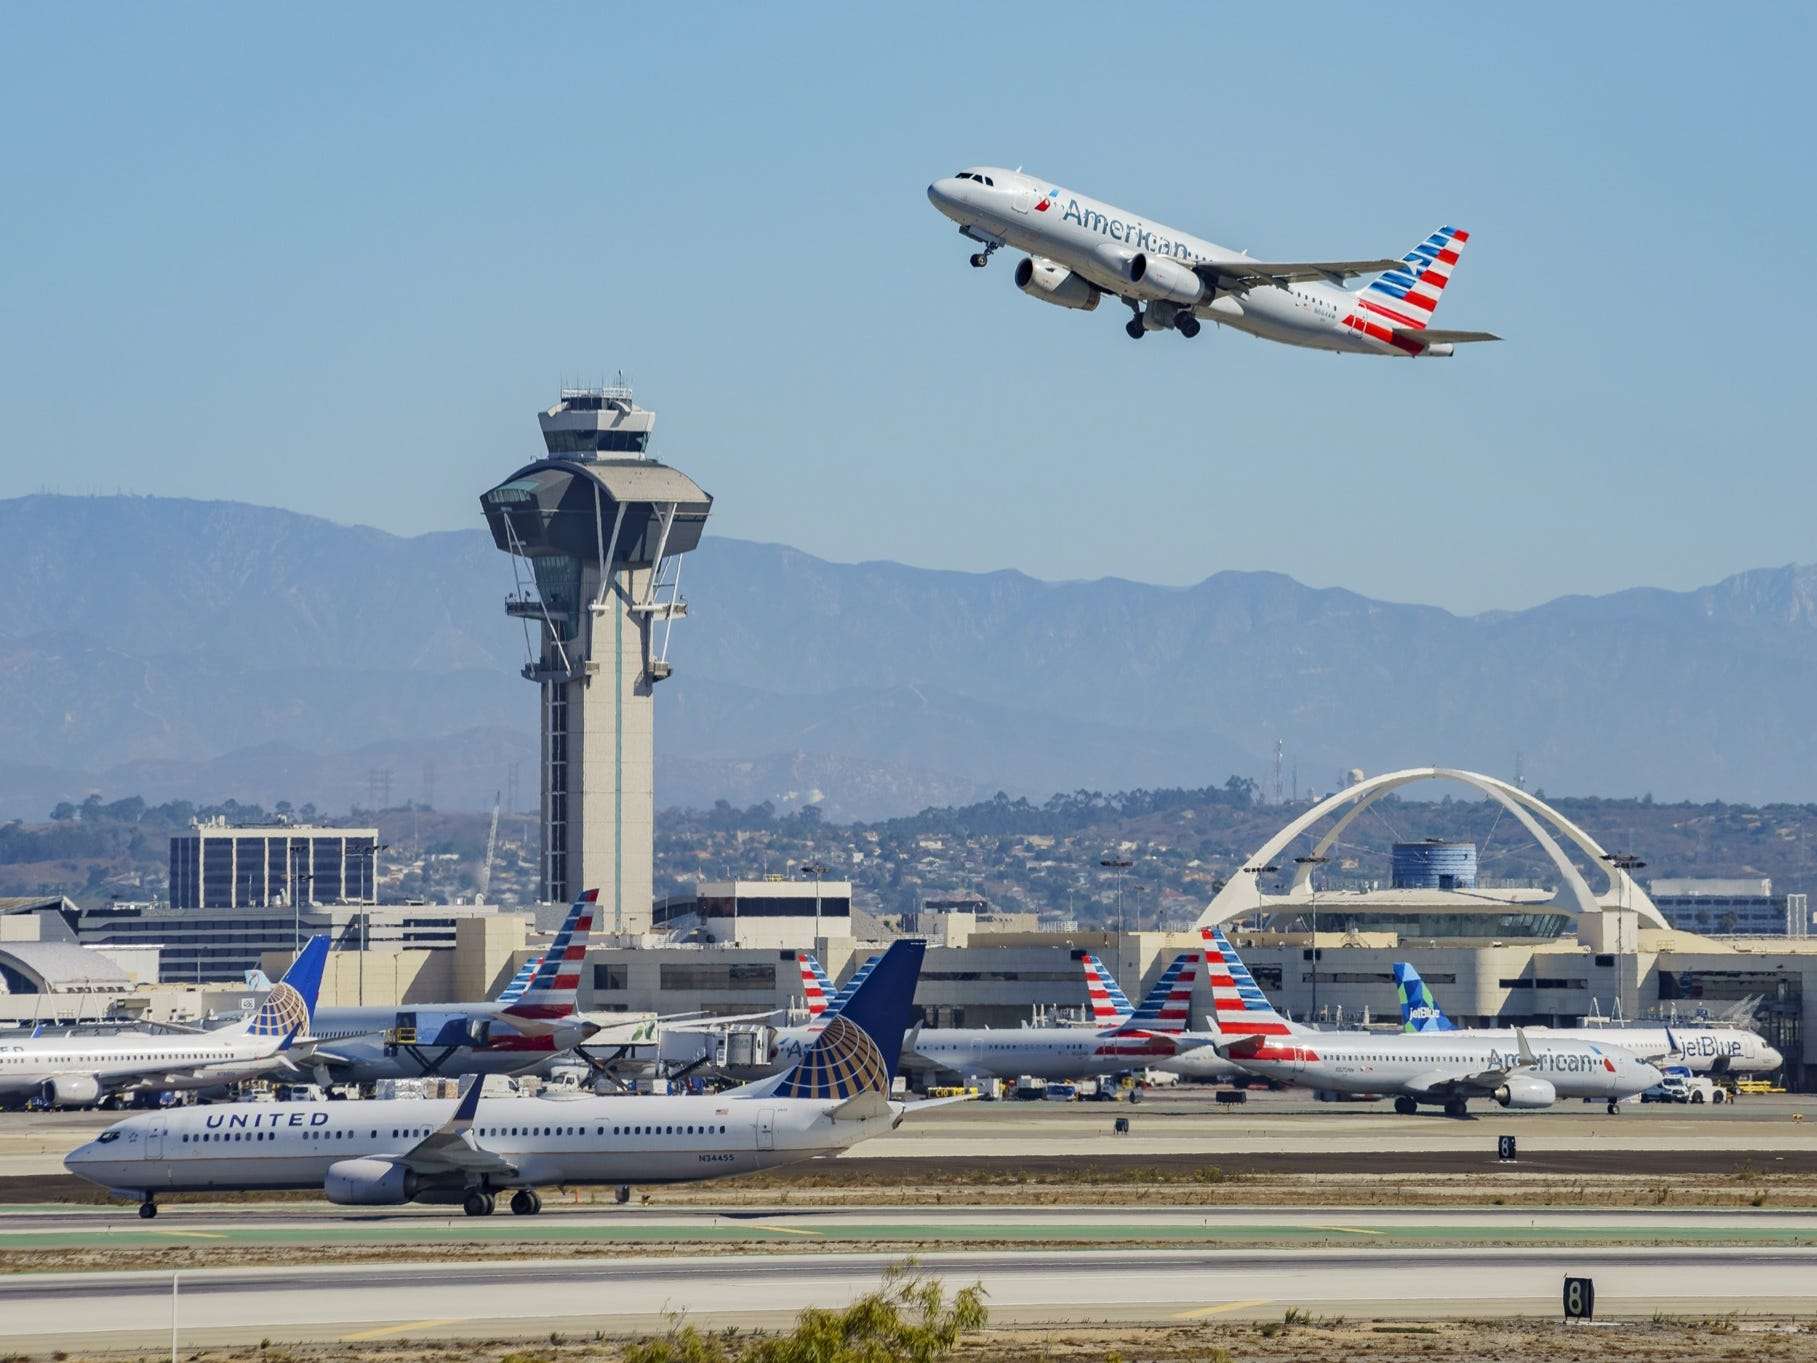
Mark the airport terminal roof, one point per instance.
(58, 968)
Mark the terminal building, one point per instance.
(1732, 908)
(220, 866)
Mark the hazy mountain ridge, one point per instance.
(164, 637)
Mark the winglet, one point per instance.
(469, 1104)
(1527, 1057)
(289, 1038)
(1672, 1046)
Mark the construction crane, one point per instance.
(485, 869)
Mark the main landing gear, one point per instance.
(147, 1209)
(1614, 1108)
(1187, 324)
(1181, 320)
(1457, 1107)
(477, 1203)
(1405, 1106)
(525, 1202)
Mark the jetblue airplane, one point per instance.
(1080, 249)
(85, 1071)
(1702, 1050)
(386, 1152)
(1447, 1069)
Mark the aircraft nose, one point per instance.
(943, 193)
(1773, 1057)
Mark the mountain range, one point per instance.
(175, 648)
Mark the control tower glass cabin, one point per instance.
(596, 532)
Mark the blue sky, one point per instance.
(335, 258)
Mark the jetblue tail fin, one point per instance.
(1407, 296)
(858, 1050)
(1109, 1005)
(1238, 1005)
(554, 988)
(290, 1005)
(1419, 1010)
(1168, 1005)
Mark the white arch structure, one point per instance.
(1242, 893)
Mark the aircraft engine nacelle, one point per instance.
(71, 1090)
(1165, 278)
(1056, 284)
(1524, 1091)
(369, 1183)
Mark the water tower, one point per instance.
(596, 531)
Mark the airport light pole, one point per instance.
(370, 855)
(1119, 864)
(1626, 863)
(817, 869)
(1309, 862)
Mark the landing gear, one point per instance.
(1187, 324)
(1614, 1108)
(1135, 328)
(622, 1194)
(477, 1203)
(525, 1202)
(1405, 1106)
(1456, 1107)
(982, 258)
(147, 1209)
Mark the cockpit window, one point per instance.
(107, 1136)
(987, 180)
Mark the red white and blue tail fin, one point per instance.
(1407, 297)
(816, 984)
(1167, 1007)
(1238, 1005)
(554, 989)
(1109, 1005)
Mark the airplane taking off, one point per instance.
(1080, 249)
(385, 1152)
(85, 1071)
(1445, 1068)
(1702, 1050)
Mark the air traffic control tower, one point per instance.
(595, 532)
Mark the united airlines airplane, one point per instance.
(86, 1071)
(391, 1151)
(1080, 250)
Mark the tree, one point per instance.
(906, 1318)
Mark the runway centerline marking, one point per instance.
(1351, 1230)
(383, 1330)
(195, 1234)
(1220, 1309)
(793, 1230)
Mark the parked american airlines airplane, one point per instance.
(1081, 249)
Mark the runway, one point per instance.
(71, 1311)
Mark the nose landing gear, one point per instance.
(982, 258)
(147, 1209)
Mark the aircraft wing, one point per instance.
(1426, 336)
(1440, 1085)
(1244, 274)
(451, 1148)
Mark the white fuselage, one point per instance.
(1040, 1052)
(548, 1140)
(369, 1044)
(1417, 1063)
(1097, 241)
(1702, 1050)
(136, 1059)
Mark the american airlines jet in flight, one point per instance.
(1080, 249)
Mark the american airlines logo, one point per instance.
(1129, 233)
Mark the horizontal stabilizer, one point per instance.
(1427, 336)
(869, 1103)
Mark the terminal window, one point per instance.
(743, 977)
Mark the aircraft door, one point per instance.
(766, 1128)
(154, 1141)
(1021, 200)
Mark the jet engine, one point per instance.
(1051, 283)
(1165, 278)
(1524, 1091)
(369, 1183)
(71, 1090)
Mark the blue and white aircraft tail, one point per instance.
(858, 1050)
(518, 983)
(1110, 1006)
(823, 999)
(1419, 1009)
(1168, 1004)
(290, 1006)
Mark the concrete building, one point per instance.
(771, 913)
(1732, 908)
(220, 866)
(595, 532)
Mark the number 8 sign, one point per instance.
(1580, 1299)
